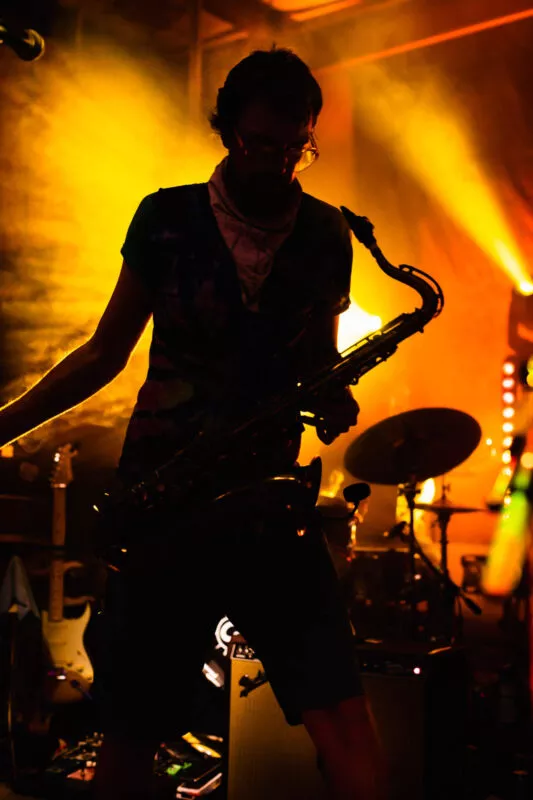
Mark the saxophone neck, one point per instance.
(423, 283)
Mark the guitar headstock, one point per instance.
(62, 472)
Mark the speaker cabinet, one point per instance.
(267, 759)
(419, 700)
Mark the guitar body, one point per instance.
(64, 639)
(71, 673)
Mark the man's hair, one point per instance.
(277, 77)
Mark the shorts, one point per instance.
(278, 588)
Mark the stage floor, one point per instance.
(7, 794)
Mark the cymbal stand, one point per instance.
(443, 518)
(450, 591)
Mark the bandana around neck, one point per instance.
(253, 244)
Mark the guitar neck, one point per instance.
(56, 595)
(59, 516)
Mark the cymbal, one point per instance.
(413, 446)
(449, 508)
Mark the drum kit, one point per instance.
(404, 451)
(401, 451)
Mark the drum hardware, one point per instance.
(449, 589)
(355, 494)
(447, 507)
(443, 508)
(443, 512)
(345, 512)
(405, 450)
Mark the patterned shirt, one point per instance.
(211, 357)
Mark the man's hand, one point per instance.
(336, 412)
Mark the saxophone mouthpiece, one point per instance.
(361, 227)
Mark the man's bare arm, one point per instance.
(87, 369)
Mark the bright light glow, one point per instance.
(355, 324)
(424, 130)
(507, 442)
(526, 288)
(508, 412)
(506, 456)
(417, 670)
(508, 397)
(488, 442)
(507, 471)
(508, 548)
(513, 264)
(105, 131)
(426, 495)
(526, 460)
(507, 427)
(428, 491)
(336, 479)
(508, 383)
(508, 368)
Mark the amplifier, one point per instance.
(419, 699)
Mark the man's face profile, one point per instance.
(264, 151)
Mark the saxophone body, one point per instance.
(174, 482)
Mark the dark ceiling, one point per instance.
(325, 29)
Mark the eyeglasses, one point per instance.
(301, 157)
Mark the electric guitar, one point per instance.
(64, 637)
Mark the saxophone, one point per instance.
(174, 481)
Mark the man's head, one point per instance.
(265, 115)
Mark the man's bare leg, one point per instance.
(348, 747)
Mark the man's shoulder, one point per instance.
(322, 211)
(168, 194)
(172, 203)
